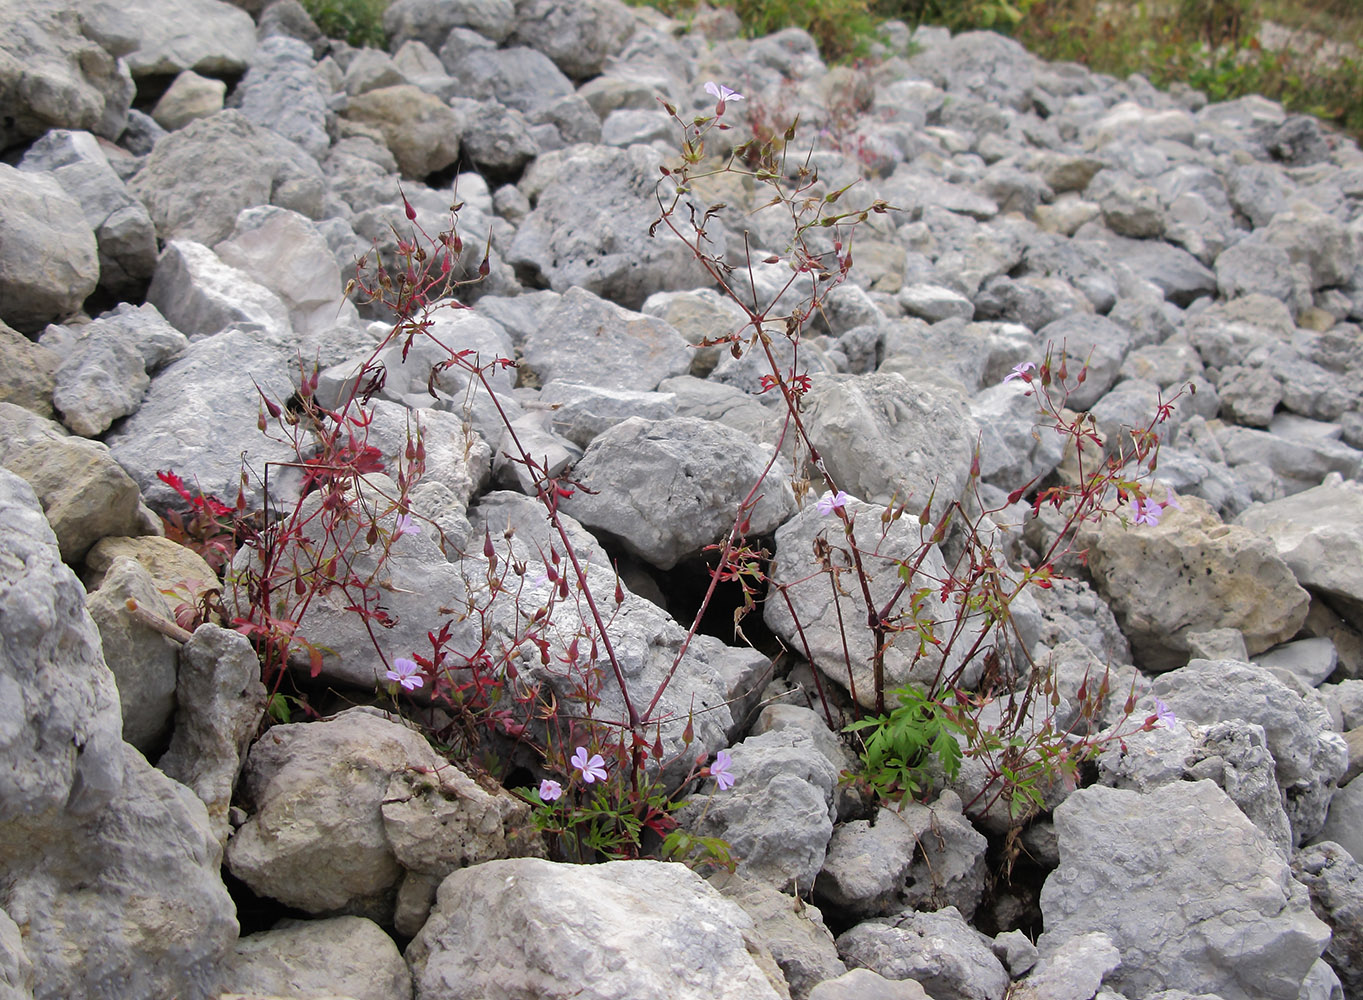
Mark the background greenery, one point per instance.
(1212, 45)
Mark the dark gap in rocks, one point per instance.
(1012, 897)
(444, 178)
(257, 913)
(687, 583)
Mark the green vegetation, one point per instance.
(1314, 62)
(359, 22)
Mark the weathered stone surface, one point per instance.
(793, 932)
(1190, 573)
(205, 35)
(346, 956)
(885, 435)
(1310, 756)
(431, 23)
(778, 816)
(124, 234)
(669, 488)
(419, 129)
(1074, 972)
(938, 950)
(282, 93)
(577, 36)
(625, 928)
(84, 492)
(188, 98)
(583, 230)
(201, 296)
(48, 260)
(27, 372)
(59, 68)
(103, 854)
(1319, 534)
(143, 660)
(861, 983)
(341, 808)
(220, 701)
(588, 339)
(1335, 881)
(1184, 877)
(797, 569)
(197, 180)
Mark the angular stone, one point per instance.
(432, 22)
(188, 98)
(1191, 573)
(220, 701)
(27, 372)
(1194, 897)
(1335, 881)
(419, 129)
(345, 956)
(48, 259)
(85, 493)
(205, 35)
(643, 928)
(282, 93)
(578, 36)
(939, 950)
(669, 488)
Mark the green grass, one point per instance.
(1208, 44)
(359, 22)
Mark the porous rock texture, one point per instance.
(194, 194)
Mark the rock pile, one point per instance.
(187, 185)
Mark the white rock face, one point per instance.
(527, 927)
(1191, 892)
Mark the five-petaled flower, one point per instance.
(550, 790)
(406, 525)
(1146, 512)
(722, 93)
(1020, 371)
(1165, 714)
(829, 502)
(405, 673)
(719, 770)
(592, 768)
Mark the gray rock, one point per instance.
(124, 234)
(885, 436)
(584, 231)
(1344, 824)
(1074, 971)
(347, 956)
(588, 339)
(1255, 265)
(48, 259)
(432, 23)
(792, 929)
(143, 660)
(1316, 532)
(1087, 339)
(580, 412)
(420, 130)
(339, 809)
(198, 419)
(859, 984)
(108, 364)
(1310, 757)
(1307, 661)
(60, 69)
(107, 854)
(670, 488)
(201, 296)
(797, 573)
(497, 139)
(645, 929)
(197, 180)
(189, 98)
(1183, 874)
(204, 35)
(1300, 460)
(220, 701)
(778, 816)
(627, 126)
(1190, 573)
(1180, 276)
(934, 303)
(1335, 881)
(84, 492)
(280, 92)
(915, 857)
(939, 950)
(519, 77)
(1129, 207)
(577, 36)
(27, 372)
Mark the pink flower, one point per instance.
(1020, 371)
(719, 770)
(550, 790)
(593, 768)
(1165, 714)
(405, 673)
(1146, 512)
(722, 93)
(406, 525)
(828, 502)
